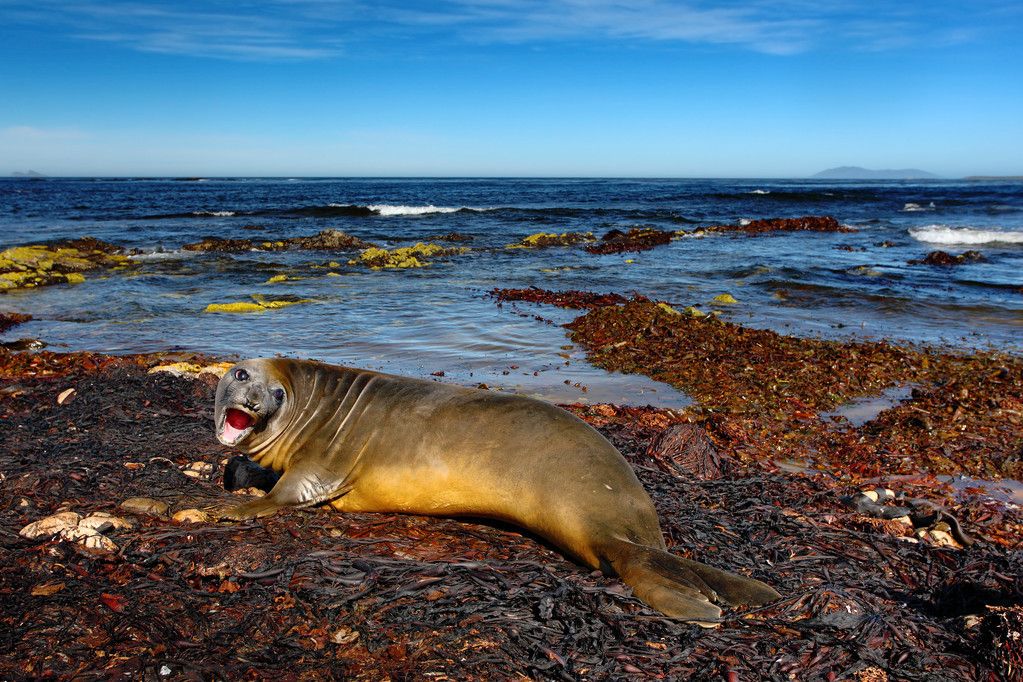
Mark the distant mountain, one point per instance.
(857, 173)
(27, 174)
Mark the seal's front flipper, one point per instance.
(682, 588)
(261, 506)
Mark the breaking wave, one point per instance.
(943, 234)
(388, 209)
(910, 207)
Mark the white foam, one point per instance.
(216, 214)
(388, 209)
(910, 206)
(160, 254)
(743, 222)
(943, 234)
(761, 191)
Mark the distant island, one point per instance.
(857, 173)
(27, 174)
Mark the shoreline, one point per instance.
(391, 595)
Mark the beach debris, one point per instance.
(723, 299)
(326, 240)
(102, 521)
(417, 256)
(562, 299)
(636, 239)
(145, 505)
(258, 304)
(765, 226)
(946, 258)
(191, 370)
(542, 240)
(9, 320)
(51, 525)
(62, 262)
(65, 395)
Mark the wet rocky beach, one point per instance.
(780, 383)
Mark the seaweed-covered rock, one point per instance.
(542, 240)
(946, 258)
(562, 299)
(327, 240)
(34, 265)
(803, 224)
(258, 304)
(636, 239)
(416, 256)
(451, 237)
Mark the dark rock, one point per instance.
(242, 472)
(451, 237)
(8, 320)
(687, 449)
(946, 258)
(804, 224)
(636, 239)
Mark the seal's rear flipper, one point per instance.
(682, 588)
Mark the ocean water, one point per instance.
(440, 319)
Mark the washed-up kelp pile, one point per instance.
(636, 239)
(322, 595)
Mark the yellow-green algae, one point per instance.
(257, 305)
(540, 240)
(404, 257)
(724, 299)
(277, 278)
(23, 267)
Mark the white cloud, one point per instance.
(275, 30)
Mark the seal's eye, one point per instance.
(241, 375)
(279, 394)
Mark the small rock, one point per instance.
(65, 395)
(89, 538)
(51, 525)
(191, 516)
(724, 299)
(102, 521)
(145, 505)
(254, 492)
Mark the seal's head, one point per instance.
(251, 398)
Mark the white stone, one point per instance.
(51, 525)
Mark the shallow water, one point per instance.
(439, 318)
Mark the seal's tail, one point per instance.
(682, 588)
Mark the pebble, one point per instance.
(51, 525)
(198, 470)
(254, 492)
(65, 395)
(191, 516)
(145, 505)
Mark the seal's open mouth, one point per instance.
(236, 425)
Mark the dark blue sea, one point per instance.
(439, 318)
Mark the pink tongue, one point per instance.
(238, 420)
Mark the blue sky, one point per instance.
(748, 88)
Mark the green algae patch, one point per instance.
(35, 265)
(258, 304)
(542, 240)
(276, 279)
(417, 256)
(724, 299)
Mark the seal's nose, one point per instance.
(253, 399)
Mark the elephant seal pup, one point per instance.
(369, 442)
